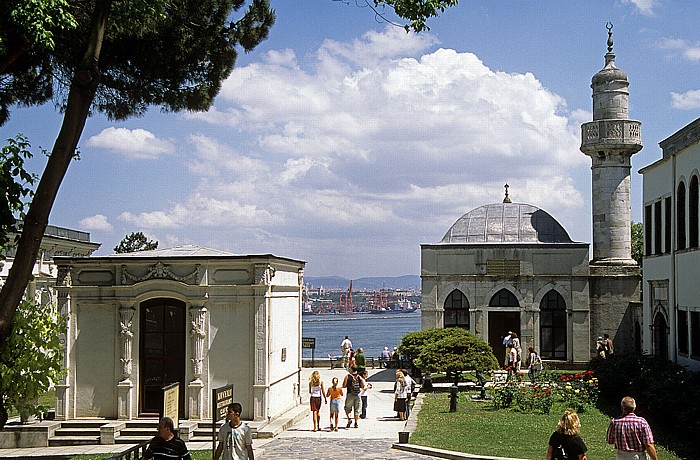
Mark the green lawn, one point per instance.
(477, 428)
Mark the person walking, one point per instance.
(512, 359)
(166, 446)
(335, 393)
(235, 438)
(384, 358)
(600, 347)
(316, 391)
(565, 442)
(608, 347)
(353, 385)
(410, 384)
(519, 352)
(534, 364)
(506, 341)
(360, 361)
(631, 434)
(363, 394)
(400, 395)
(345, 347)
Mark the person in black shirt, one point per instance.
(166, 445)
(565, 443)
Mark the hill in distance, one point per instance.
(368, 283)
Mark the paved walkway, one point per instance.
(375, 438)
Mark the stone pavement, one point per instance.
(376, 437)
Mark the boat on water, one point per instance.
(401, 306)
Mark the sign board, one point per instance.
(308, 342)
(171, 402)
(220, 397)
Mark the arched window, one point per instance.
(504, 298)
(553, 326)
(456, 310)
(680, 217)
(693, 213)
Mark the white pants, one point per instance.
(624, 455)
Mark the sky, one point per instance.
(346, 142)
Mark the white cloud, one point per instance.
(135, 144)
(680, 47)
(97, 222)
(379, 143)
(686, 101)
(644, 6)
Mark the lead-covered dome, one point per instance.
(506, 223)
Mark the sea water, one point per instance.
(372, 332)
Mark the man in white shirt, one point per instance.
(345, 347)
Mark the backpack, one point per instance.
(353, 385)
(537, 364)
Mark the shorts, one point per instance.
(335, 405)
(352, 402)
(315, 403)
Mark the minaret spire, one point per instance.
(610, 140)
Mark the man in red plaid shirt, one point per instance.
(631, 434)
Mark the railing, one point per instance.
(133, 453)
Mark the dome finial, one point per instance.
(609, 26)
(507, 198)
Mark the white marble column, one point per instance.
(125, 386)
(198, 335)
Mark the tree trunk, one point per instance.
(80, 97)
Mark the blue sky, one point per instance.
(346, 142)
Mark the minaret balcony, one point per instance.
(606, 134)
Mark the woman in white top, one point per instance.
(400, 395)
(316, 392)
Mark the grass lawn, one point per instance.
(478, 428)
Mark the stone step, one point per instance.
(77, 432)
(73, 441)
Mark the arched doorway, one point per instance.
(500, 322)
(660, 334)
(456, 310)
(162, 353)
(553, 338)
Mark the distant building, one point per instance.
(671, 324)
(512, 267)
(57, 241)
(199, 317)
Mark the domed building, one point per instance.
(510, 267)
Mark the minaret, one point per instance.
(610, 140)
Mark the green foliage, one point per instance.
(418, 12)
(479, 430)
(666, 394)
(577, 391)
(33, 22)
(450, 350)
(637, 229)
(32, 357)
(135, 242)
(413, 342)
(174, 54)
(15, 183)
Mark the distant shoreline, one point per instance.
(376, 316)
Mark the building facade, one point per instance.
(671, 314)
(512, 267)
(189, 315)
